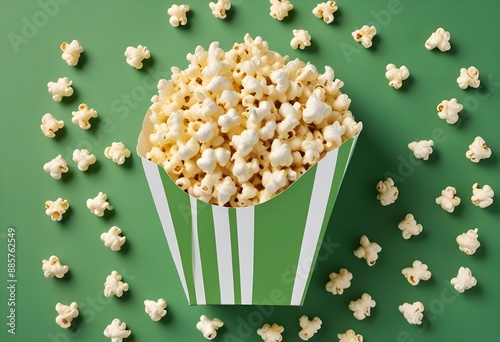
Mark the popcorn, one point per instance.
(219, 9)
(387, 192)
(61, 88)
(135, 55)
(50, 125)
(396, 76)
(361, 307)
(83, 158)
(468, 78)
(339, 281)
(439, 39)
(56, 209)
(280, 8)
(325, 11)
(245, 142)
(417, 272)
(114, 285)
(448, 110)
(468, 242)
(364, 35)
(66, 314)
(155, 310)
(309, 327)
(409, 227)
(112, 238)
(116, 331)
(350, 336)
(421, 149)
(482, 197)
(98, 204)
(413, 313)
(464, 280)
(301, 39)
(208, 327)
(271, 333)
(478, 150)
(56, 167)
(53, 268)
(71, 52)
(177, 15)
(82, 116)
(117, 152)
(448, 199)
(368, 250)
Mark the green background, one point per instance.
(31, 32)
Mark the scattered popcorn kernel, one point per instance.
(478, 150)
(114, 286)
(448, 199)
(396, 76)
(468, 242)
(112, 238)
(56, 167)
(361, 307)
(417, 272)
(208, 327)
(448, 110)
(83, 158)
(117, 331)
(155, 310)
(98, 204)
(53, 268)
(413, 313)
(82, 116)
(439, 39)
(364, 35)
(350, 336)
(71, 52)
(421, 149)
(56, 209)
(469, 78)
(339, 281)
(325, 11)
(177, 15)
(409, 227)
(66, 314)
(219, 9)
(271, 333)
(301, 39)
(117, 152)
(61, 88)
(50, 125)
(309, 327)
(280, 8)
(387, 191)
(464, 280)
(482, 197)
(368, 250)
(135, 55)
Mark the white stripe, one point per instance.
(315, 216)
(161, 203)
(245, 222)
(224, 256)
(199, 286)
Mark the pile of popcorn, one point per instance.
(237, 127)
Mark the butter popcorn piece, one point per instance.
(409, 227)
(339, 281)
(117, 331)
(301, 39)
(361, 308)
(114, 286)
(71, 52)
(271, 333)
(56, 167)
(308, 327)
(178, 15)
(99, 204)
(53, 268)
(56, 209)
(112, 238)
(448, 110)
(208, 327)
(464, 280)
(82, 116)
(135, 55)
(468, 242)
(482, 197)
(350, 336)
(50, 125)
(364, 35)
(395, 75)
(421, 149)
(325, 11)
(219, 8)
(155, 310)
(66, 314)
(469, 78)
(84, 159)
(439, 39)
(448, 199)
(280, 8)
(61, 88)
(413, 313)
(117, 152)
(387, 191)
(478, 150)
(418, 271)
(368, 250)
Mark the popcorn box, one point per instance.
(263, 254)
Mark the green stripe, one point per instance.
(235, 255)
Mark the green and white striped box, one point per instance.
(262, 255)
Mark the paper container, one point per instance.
(261, 255)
